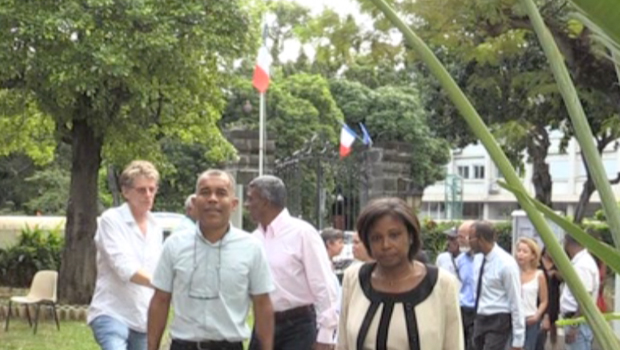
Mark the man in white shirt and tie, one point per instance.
(499, 311)
(578, 337)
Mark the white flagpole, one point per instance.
(261, 136)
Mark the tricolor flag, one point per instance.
(347, 137)
(365, 135)
(263, 62)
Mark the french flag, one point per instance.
(347, 137)
(263, 62)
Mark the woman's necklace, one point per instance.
(392, 281)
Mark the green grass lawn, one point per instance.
(72, 336)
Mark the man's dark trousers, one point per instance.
(492, 332)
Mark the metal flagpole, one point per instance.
(261, 136)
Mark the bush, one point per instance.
(504, 235)
(433, 237)
(36, 250)
(599, 230)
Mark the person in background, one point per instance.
(548, 328)
(600, 299)
(334, 243)
(359, 251)
(578, 337)
(468, 265)
(129, 243)
(189, 220)
(422, 256)
(602, 268)
(533, 289)
(301, 270)
(190, 212)
(397, 302)
(499, 308)
(447, 260)
(212, 275)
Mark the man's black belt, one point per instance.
(295, 313)
(208, 344)
(468, 309)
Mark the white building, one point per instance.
(482, 198)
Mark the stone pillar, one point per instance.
(245, 167)
(372, 179)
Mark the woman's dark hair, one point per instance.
(397, 208)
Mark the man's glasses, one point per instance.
(145, 190)
(204, 281)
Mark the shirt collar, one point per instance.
(578, 256)
(228, 236)
(127, 216)
(493, 253)
(277, 223)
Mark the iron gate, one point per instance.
(322, 188)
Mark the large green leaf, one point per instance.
(601, 328)
(603, 19)
(608, 254)
(578, 119)
(603, 333)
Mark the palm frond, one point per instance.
(602, 17)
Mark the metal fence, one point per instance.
(322, 188)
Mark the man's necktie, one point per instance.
(479, 288)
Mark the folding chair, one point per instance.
(42, 292)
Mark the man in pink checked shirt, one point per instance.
(305, 299)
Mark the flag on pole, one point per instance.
(347, 137)
(365, 135)
(263, 63)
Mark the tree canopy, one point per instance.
(113, 79)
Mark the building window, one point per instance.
(463, 171)
(498, 173)
(473, 211)
(478, 171)
(437, 210)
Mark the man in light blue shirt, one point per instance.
(468, 265)
(499, 310)
(211, 274)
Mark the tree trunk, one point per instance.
(77, 271)
(113, 186)
(537, 149)
(584, 199)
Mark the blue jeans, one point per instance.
(112, 334)
(584, 338)
(531, 336)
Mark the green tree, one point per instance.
(392, 113)
(15, 192)
(492, 52)
(298, 107)
(112, 79)
(289, 17)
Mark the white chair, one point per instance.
(42, 292)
